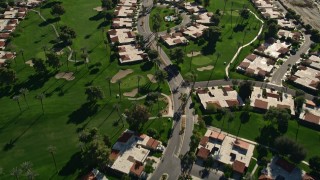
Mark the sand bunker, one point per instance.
(206, 68)
(99, 9)
(152, 78)
(132, 93)
(121, 74)
(194, 54)
(30, 63)
(65, 75)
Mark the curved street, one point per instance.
(278, 75)
(179, 143)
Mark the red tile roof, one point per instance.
(152, 143)
(264, 177)
(241, 144)
(260, 104)
(204, 140)
(217, 135)
(251, 57)
(232, 102)
(239, 167)
(312, 118)
(125, 137)
(114, 154)
(285, 165)
(137, 168)
(203, 153)
(282, 106)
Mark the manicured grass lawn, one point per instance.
(226, 47)
(163, 11)
(162, 125)
(30, 132)
(309, 138)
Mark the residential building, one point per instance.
(223, 97)
(226, 150)
(294, 35)
(122, 23)
(193, 7)
(310, 113)
(124, 11)
(306, 77)
(274, 48)
(14, 13)
(255, 65)
(122, 36)
(267, 9)
(285, 24)
(6, 56)
(313, 62)
(131, 53)
(195, 31)
(174, 39)
(95, 174)
(263, 99)
(8, 25)
(204, 18)
(130, 152)
(128, 3)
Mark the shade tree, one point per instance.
(137, 116)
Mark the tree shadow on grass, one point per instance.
(34, 82)
(74, 164)
(86, 110)
(240, 27)
(50, 4)
(267, 135)
(9, 145)
(5, 91)
(172, 70)
(49, 21)
(209, 48)
(147, 66)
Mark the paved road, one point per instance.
(279, 74)
(178, 144)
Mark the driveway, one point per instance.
(279, 74)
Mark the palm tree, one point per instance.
(16, 98)
(24, 92)
(117, 107)
(109, 83)
(31, 174)
(40, 97)
(22, 54)
(26, 166)
(119, 86)
(75, 59)
(156, 63)
(224, 8)
(139, 78)
(231, 13)
(160, 76)
(45, 49)
(191, 77)
(52, 150)
(16, 172)
(191, 60)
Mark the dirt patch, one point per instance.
(308, 10)
(65, 75)
(132, 93)
(121, 74)
(99, 9)
(30, 63)
(152, 78)
(206, 68)
(194, 54)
